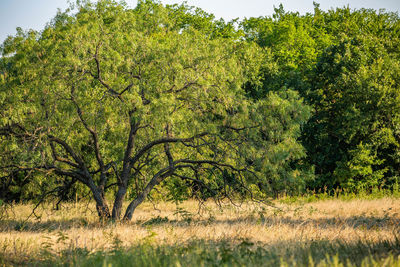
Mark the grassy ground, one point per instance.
(330, 232)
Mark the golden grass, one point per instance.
(76, 225)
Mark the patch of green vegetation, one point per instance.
(342, 194)
(156, 220)
(245, 253)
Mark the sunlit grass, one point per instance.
(322, 232)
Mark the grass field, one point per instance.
(328, 232)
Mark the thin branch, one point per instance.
(210, 162)
(100, 79)
(150, 145)
(67, 149)
(201, 183)
(56, 157)
(93, 133)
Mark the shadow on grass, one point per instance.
(365, 222)
(353, 221)
(48, 225)
(356, 222)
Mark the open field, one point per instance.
(324, 233)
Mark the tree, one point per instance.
(119, 99)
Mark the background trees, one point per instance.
(344, 63)
(355, 91)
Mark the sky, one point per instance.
(34, 14)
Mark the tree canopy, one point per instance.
(117, 98)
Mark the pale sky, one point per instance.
(34, 14)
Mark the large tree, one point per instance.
(123, 99)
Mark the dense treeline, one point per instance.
(111, 101)
(345, 64)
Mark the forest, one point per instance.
(125, 107)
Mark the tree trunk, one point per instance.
(133, 205)
(102, 209)
(101, 204)
(142, 196)
(119, 198)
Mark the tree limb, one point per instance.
(150, 145)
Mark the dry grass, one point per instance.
(76, 226)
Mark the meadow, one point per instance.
(113, 103)
(296, 232)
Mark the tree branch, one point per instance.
(68, 149)
(201, 183)
(127, 164)
(157, 178)
(100, 79)
(56, 157)
(93, 133)
(150, 145)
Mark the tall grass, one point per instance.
(223, 253)
(325, 232)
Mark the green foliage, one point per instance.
(345, 64)
(276, 152)
(360, 166)
(120, 99)
(353, 135)
(292, 44)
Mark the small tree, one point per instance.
(118, 98)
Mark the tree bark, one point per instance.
(158, 178)
(119, 198)
(125, 175)
(101, 204)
